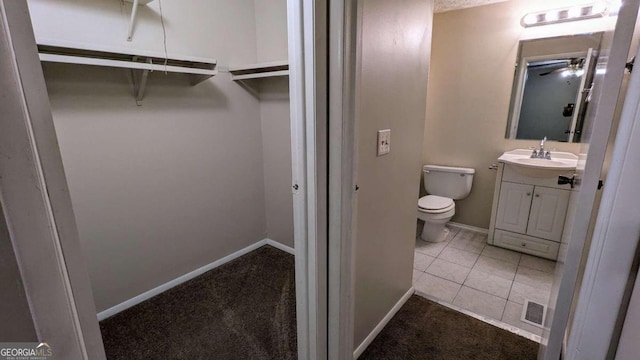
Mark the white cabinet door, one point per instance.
(513, 207)
(548, 210)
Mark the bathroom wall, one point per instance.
(163, 188)
(472, 65)
(271, 39)
(16, 324)
(392, 67)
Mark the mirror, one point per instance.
(551, 87)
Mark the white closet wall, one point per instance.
(165, 188)
(74, 21)
(271, 35)
(271, 30)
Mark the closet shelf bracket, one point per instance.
(134, 14)
(140, 82)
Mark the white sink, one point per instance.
(520, 160)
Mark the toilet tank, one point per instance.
(451, 182)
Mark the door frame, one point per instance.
(342, 177)
(307, 33)
(564, 290)
(322, 112)
(36, 201)
(611, 265)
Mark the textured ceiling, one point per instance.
(448, 5)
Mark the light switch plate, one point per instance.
(384, 142)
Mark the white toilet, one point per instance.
(443, 184)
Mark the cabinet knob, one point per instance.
(528, 194)
(524, 244)
(537, 195)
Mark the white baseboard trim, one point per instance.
(385, 320)
(280, 246)
(469, 227)
(186, 277)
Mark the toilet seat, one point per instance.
(434, 204)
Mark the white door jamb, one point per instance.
(36, 201)
(342, 186)
(614, 245)
(308, 84)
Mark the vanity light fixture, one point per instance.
(574, 13)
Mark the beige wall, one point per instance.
(16, 324)
(276, 154)
(391, 89)
(271, 40)
(271, 30)
(192, 175)
(162, 189)
(472, 65)
(219, 29)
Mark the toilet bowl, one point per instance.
(444, 185)
(435, 211)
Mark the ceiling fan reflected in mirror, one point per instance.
(572, 67)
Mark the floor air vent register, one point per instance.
(534, 313)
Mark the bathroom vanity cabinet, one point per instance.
(528, 213)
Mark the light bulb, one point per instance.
(530, 19)
(598, 8)
(551, 15)
(575, 12)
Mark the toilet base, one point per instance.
(434, 232)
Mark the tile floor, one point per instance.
(490, 281)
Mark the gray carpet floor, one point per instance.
(244, 309)
(423, 329)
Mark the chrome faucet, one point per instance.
(541, 153)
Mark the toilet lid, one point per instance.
(433, 202)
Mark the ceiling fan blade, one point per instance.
(554, 71)
(548, 63)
